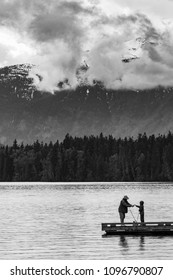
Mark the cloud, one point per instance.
(54, 29)
(56, 36)
(153, 9)
(62, 21)
(135, 34)
(60, 35)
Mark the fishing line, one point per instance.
(133, 216)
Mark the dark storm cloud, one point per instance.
(8, 12)
(122, 19)
(43, 15)
(154, 55)
(142, 23)
(55, 25)
(60, 21)
(147, 27)
(74, 7)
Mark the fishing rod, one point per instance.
(133, 216)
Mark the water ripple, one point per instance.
(64, 221)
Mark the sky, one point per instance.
(57, 36)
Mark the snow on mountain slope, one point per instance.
(28, 114)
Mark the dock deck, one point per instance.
(147, 228)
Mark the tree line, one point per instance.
(90, 159)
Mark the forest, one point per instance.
(90, 159)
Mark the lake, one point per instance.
(63, 221)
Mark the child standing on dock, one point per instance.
(141, 210)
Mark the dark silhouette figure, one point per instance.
(141, 211)
(123, 208)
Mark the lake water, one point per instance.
(53, 221)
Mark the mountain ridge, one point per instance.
(27, 114)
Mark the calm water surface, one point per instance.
(64, 221)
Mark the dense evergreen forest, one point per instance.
(84, 159)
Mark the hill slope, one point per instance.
(28, 114)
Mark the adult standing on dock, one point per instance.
(123, 208)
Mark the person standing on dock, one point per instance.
(123, 208)
(141, 210)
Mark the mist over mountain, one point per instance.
(27, 114)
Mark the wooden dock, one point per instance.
(147, 228)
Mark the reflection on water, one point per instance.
(64, 221)
(142, 243)
(141, 247)
(124, 243)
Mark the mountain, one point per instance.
(27, 114)
(134, 48)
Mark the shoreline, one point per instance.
(82, 183)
